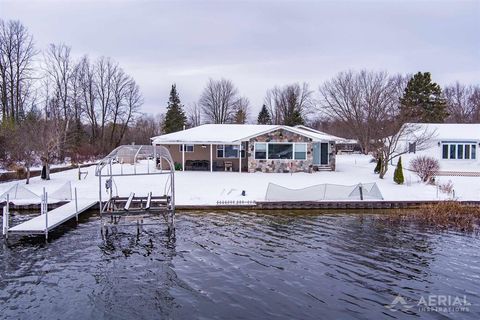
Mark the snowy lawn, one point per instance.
(204, 188)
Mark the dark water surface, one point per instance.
(239, 265)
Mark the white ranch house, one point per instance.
(454, 145)
(251, 148)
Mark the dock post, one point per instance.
(154, 156)
(5, 223)
(45, 210)
(100, 193)
(76, 204)
(42, 203)
(6, 219)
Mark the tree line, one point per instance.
(364, 105)
(54, 106)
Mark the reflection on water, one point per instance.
(238, 265)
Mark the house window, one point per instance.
(260, 151)
(445, 151)
(453, 148)
(229, 151)
(412, 147)
(188, 148)
(280, 151)
(220, 149)
(459, 151)
(283, 151)
(300, 151)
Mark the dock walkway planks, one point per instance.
(55, 217)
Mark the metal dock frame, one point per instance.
(109, 206)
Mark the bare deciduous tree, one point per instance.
(145, 127)
(59, 69)
(17, 53)
(463, 103)
(121, 86)
(395, 144)
(194, 115)
(366, 103)
(133, 102)
(88, 95)
(105, 69)
(289, 105)
(218, 101)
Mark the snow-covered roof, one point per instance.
(450, 131)
(232, 133)
(320, 135)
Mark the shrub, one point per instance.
(178, 166)
(21, 172)
(447, 215)
(446, 187)
(425, 167)
(398, 174)
(378, 168)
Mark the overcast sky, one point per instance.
(259, 44)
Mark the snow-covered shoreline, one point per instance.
(207, 188)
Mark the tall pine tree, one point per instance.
(294, 119)
(264, 116)
(175, 118)
(422, 100)
(240, 117)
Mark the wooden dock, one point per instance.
(44, 223)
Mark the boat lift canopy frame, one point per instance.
(158, 154)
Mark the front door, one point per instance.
(320, 153)
(324, 153)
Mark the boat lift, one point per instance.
(135, 206)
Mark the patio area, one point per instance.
(204, 165)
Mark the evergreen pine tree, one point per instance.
(175, 117)
(422, 100)
(398, 174)
(294, 119)
(264, 116)
(378, 167)
(240, 117)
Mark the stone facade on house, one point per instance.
(283, 165)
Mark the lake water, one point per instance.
(240, 265)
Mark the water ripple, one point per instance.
(238, 265)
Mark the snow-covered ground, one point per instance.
(204, 188)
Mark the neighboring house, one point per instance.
(348, 146)
(454, 145)
(251, 148)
